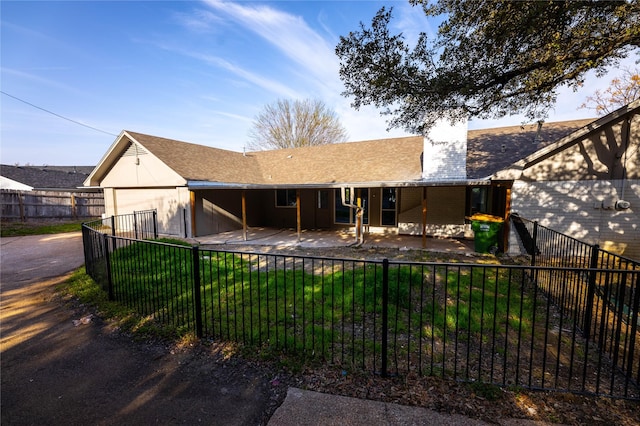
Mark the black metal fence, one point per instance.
(470, 322)
(141, 225)
(606, 306)
(552, 248)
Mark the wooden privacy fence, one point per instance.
(28, 205)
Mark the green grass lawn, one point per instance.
(323, 308)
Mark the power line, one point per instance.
(57, 115)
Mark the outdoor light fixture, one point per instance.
(622, 205)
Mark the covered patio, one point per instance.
(288, 238)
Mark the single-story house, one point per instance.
(579, 177)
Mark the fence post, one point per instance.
(184, 220)
(86, 245)
(196, 289)
(155, 225)
(113, 225)
(135, 224)
(107, 261)
(591, 291)
(21, 206)
(74, 212)
(385, 316)
(634, 322)
(534, 249)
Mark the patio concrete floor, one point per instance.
(340, 238)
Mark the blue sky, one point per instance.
(197, 71)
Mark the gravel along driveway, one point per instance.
(57, 369)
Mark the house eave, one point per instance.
(200, 185)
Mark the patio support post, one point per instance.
(298, 216)
(424, 217)
(192, 202)
(244, 215)
(359, 214)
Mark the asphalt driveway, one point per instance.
(57, 369)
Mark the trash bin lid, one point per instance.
(483, 217)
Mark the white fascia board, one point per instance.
(195, 185)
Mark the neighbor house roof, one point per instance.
(382, 161)
(47, 177)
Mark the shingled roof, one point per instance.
(201, 163)
(47, 177)
(491, 150)
(382, 161)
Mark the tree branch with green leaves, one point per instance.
(490, 58)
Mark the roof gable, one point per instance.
(490, 150)
(198, 162)
(514, 170)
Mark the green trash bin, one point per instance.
(486, 231)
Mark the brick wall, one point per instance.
(584, 210)
(445, 152)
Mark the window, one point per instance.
(388, 206)
(346, 214)
(285, 197)
(478, 200)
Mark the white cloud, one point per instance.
(33, 78)
(290, 35)
(199, 21)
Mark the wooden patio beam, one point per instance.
(424, 217)
(244, 215)
(298, 216)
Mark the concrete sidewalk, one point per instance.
(306, 408)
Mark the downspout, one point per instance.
(359, 211)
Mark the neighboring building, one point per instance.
(44, 178)
(47, 192)
(414, 185)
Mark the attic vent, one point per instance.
(133, 150)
